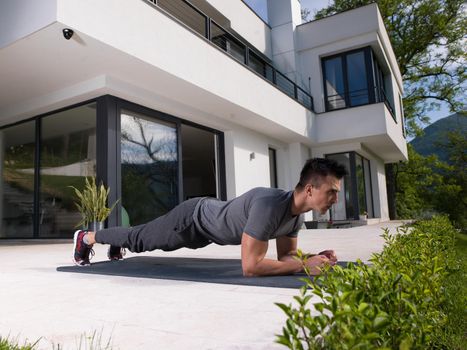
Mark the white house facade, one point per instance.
(165, 100)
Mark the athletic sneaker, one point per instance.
(116, 253)
(82, 252)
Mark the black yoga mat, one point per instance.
(226, 271)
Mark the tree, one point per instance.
(452, 192)
(428, 38)
(417, 181)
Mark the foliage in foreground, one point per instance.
(398, 302)
(95, 341)
(10, 344)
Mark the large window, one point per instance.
(353, 79)
(151, 161)
(17, 150)
(356, 196)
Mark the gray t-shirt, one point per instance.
(262, 213)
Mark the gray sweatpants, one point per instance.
(172, 231)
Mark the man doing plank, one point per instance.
(251, 220)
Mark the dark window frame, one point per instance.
(108, 135)
(37, 161)
(121, 104)
(354, 187)
(375, 81)
(273, 171)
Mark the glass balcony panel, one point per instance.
(256, 64)
(285, 84)
(304, 98)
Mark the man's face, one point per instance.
(324, 196)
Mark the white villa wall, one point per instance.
(128, 49)
(380, 198)
(247, 161)
(19, 18)
(284, 16)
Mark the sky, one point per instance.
(315, 5)
(260, 6)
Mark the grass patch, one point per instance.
(94, 341)
(10, 344)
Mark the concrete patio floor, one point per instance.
(58, 308)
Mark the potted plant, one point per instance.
(363, 216)
(92, 205)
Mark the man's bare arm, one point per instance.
(286, 248)
(254, 262)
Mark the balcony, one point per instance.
(369, 125)
(232, 45)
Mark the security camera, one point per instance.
(68, 33)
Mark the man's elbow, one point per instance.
(249, 271)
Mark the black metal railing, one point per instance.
(202, 24)
(359, 97)
(381, 94)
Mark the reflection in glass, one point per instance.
(357, 80)
(199, 162)
(360, 184)
(68, 155)
(334, 83)
(272, 168)
(344, 208)
(17, 188)
(368, 190)
(149, 166)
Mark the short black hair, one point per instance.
(315, 169)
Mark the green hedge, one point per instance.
(397, 302)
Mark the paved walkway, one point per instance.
(37, 302)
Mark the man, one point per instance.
(251, 220)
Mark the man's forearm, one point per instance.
(270, 267)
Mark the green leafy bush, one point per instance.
(397, 302)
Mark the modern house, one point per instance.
(164, 100)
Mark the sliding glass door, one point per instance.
(17, 153)
(356, 196)
(67, 157)
(149, 166)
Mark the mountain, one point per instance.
(436, 135)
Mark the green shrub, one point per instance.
(398, 302)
